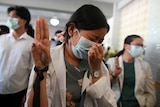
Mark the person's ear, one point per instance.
(71, 29)
(126, 46)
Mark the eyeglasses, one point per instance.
(139, 45)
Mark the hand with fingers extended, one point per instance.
(41, 45)
(117, 68)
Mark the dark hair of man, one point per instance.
(87, 17)
(58, 31)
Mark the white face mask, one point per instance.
(13, 23)
(136, 51)
(82, 47)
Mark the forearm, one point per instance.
(43, 93)
(102, 93)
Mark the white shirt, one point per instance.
(15, 63)
(53, 43)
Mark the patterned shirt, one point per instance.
(74, 77)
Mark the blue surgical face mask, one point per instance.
(13, 23)
(56, 39)
(136, 51)
(82, 47)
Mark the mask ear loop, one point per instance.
(77, 33)
(128, 50)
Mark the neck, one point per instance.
(69, 54)
(18, 32)
(127, 57)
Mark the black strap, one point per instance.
(36, 85)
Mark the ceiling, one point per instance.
(61, 9)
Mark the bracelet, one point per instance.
(113, 75)
(45, 69)
(40, 72)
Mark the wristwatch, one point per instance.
(96, 74)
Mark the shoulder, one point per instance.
(57, 52)
(110, 63)
(110, 60)
(56, 48)
(28, 37)
(144, 65)
(5, 36)
(143, 62)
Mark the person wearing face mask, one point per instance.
(131, 76)
(71, 74)
(14, 23)
(15, 58)
(59, 37)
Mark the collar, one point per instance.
(23, 36)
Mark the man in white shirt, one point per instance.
(15, 58)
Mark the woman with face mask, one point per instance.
(71, 74)
(132, 77)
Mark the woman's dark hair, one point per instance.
(23, 13)
(88, 17)
(128, 40)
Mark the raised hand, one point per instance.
(117, 69)
(41, 44)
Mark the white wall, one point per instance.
(152, 54)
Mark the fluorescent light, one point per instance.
(54, 21)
